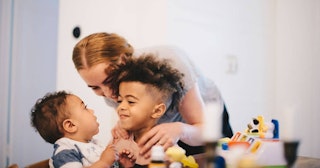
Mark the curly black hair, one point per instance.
(48, 114)
(149, 69)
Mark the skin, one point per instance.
(167, 134)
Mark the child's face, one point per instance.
(136, 106)
(83, 118)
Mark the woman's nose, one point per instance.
(107, 92)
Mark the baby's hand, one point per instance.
(108, 155)
(127, 158)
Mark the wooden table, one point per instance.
(301, 162)
(307, 162)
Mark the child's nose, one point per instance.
(121, 106)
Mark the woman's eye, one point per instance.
(94, 88)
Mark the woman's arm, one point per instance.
(191, 110)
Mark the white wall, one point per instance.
(298, 72)
(5, 29)
(216, 33)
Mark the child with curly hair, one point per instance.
(147, 90)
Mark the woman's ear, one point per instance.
(69, 126)
(159, 110)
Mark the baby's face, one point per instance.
(136, 106)
(83, 118)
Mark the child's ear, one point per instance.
(69, 126)
(159, 110)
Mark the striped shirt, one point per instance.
(71, 153)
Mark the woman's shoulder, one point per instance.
(178, 59)
(163, 51)
(159, 48)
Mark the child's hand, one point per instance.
(108, 155)
(127, 158)
(118, 132)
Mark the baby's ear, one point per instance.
(159, 110)
(68, 126)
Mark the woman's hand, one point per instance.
(118, 132)
(166, 135)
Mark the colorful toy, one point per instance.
(177, 154)
(258, 127)
(259, 142)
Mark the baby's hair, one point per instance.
(47, 115)
(149, 69)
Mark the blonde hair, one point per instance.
(100, 48)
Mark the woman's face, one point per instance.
(95, 77)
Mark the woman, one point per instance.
(92, 56)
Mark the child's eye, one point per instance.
(86, 106)
(131, 102)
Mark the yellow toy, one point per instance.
(259, 128)
(177, 154)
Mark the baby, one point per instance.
(146, 88)
(64, 120)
